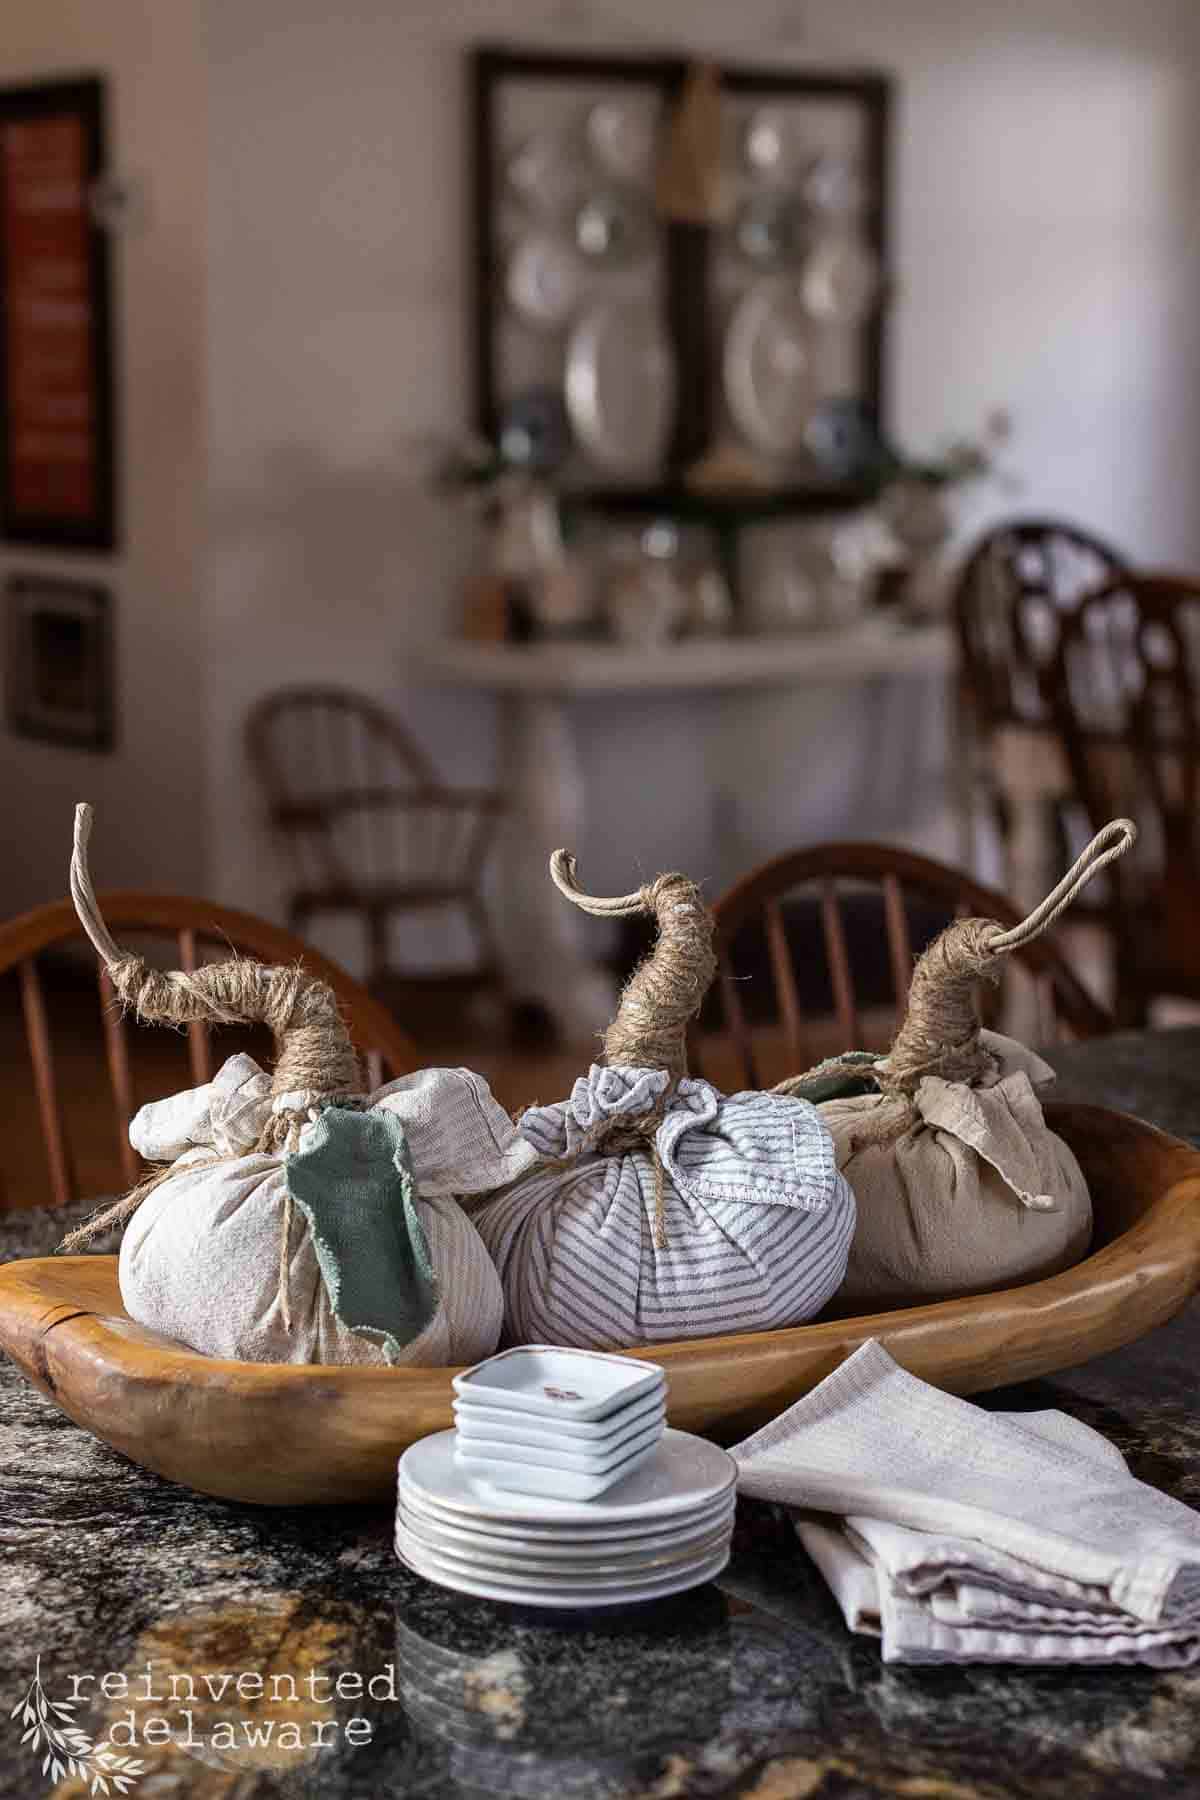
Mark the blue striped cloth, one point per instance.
(758, 1220)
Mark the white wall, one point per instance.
(1046, 261)
(150, 792)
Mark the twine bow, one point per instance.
(316, 1063)
(940, 1033)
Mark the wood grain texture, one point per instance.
(281, 1434)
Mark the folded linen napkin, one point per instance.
(964, 1535)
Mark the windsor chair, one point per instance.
(198, 931)
(369, 828)
(1018, 584)
(895, 896)
(1124, 694)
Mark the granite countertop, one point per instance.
(749, 1687)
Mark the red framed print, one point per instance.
(56, 387)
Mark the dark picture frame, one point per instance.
(61, 665)
(687, 295)
(57, 423)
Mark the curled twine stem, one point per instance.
(940, 1033)
(662, 996)
(315, 1060)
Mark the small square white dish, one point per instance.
(573, 1459)
(528, 1430)
(579, 1385)
(555, 1484)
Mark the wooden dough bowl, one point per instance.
(282, 1434)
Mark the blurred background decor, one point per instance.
(748, 599)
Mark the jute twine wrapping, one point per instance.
(940, 1033)
(662, 996)
(315, 1064)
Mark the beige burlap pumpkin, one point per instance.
(961, 1186)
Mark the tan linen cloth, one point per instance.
(978, 1193)
(200, 1257)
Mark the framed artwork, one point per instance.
(56, 382)
(644, 356)
(60, 661)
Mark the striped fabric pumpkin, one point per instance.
(752, 1232)
(661, 1209)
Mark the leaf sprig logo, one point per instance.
(69, 1749)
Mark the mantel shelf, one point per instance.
(873, 648)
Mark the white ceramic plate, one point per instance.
(554, 1482)
(567, 1541)
(767, 367)
(620, 385)
(621, 139)
(682, 1475)
(479, 1553)
(576, 1458)
(841, 281)
(584, 1581)
(580, 1385)
(558, 1434)
(542, 173)
(541, 282)
(577, 1599)
(614, 229)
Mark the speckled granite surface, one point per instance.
(750, 1688)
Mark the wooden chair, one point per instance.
(199, 931)
(911, 898)
(1018, 584)
(370, 829)
(1124, 694)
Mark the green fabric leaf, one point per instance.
(831, 1081)
(353, 1180)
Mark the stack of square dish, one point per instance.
(569, 1423)
(662, 1524)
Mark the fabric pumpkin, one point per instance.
(661, 1209)
(296, 1218)
(961, 1185)
(974, 1192)
(383, 1265)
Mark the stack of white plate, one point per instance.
(567, 1423)
(661, 1529)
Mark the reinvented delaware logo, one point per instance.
(69, 1749)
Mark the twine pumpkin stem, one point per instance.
(315, 1060)
(661, 997)
(940, 1033)
(667, 989)
(313, 1049)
